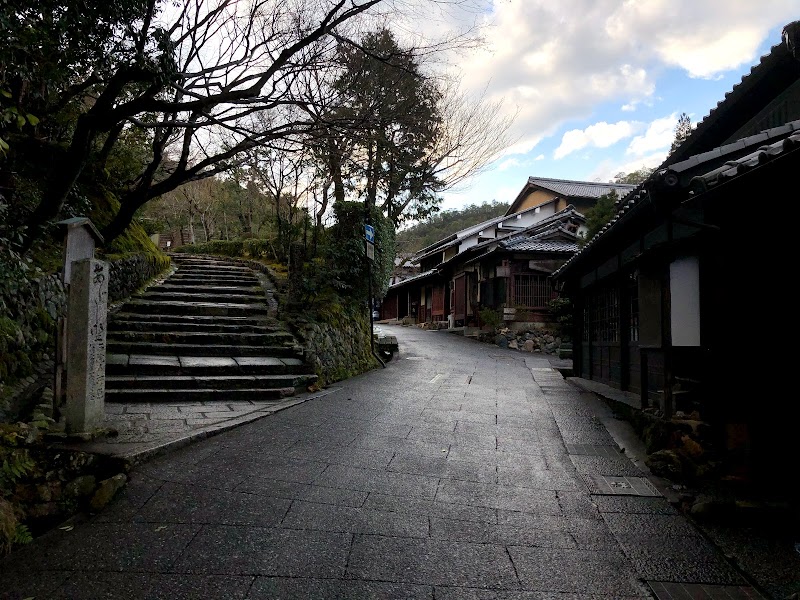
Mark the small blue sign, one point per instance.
(369, 233)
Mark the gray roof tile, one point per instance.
(580, 189)
(528, 245)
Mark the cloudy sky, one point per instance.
(598, 85)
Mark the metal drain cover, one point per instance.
(606, 485)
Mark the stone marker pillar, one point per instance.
(86, 345)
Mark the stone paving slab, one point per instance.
(234, 550)
(147, 430)
(448, 479)
(699, 591)
(271, 588)
(435, 562)
(680, 559)
(570, 570)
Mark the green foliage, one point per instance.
(22, 535)
(635, 177)
(561, 309)
(345, 250)
(600, 214)
(491, 318)
(104, 205)
(15, 464)
(385, 93)
(246, 248)
(443, 224)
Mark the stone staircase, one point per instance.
(207, 333)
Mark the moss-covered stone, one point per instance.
(106, 491)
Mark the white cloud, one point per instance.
(508, 164)
(599, 135)
(554, 62)
(659, 135)
(540, 157)
(703, 38)
(608, 169)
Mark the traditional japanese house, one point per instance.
(511, 273)
(450, 292)
(664, 293)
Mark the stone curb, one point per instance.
(151, 450)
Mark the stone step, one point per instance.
(118, 324)
(209, 295)
(214, 338)
(204, 334)
(209, 264)
(220, 281)
(196, 260)
(214, 271)
(237, 290)
(180, 395)
(156, 349)
(207, 309)
(257, 320)
(208, 382)
(139, 364)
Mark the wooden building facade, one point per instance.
(660, 295)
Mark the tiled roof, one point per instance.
(546, 225)
(456, 237)
(580, 189)
(733, 168)
(529, 245)
(742, 89)
(697, 184)
(413, 278)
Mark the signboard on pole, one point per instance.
(370, 250)
(369, 233)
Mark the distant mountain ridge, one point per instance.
(445, 223)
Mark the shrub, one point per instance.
(491, 318)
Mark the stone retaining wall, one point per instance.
(128, 274)
(28, 320)
(544, 341)
(340, 350)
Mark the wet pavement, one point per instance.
(461, 471)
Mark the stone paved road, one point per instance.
(446, 475)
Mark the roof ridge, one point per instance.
(531, 179)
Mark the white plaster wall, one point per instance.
(468, 243)
(684, 285)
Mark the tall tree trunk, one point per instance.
(335, 164)
(65, 173)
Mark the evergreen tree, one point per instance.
(600, 214)
(683, 130)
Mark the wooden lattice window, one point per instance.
(633, 295)
(604, 315)
(531, 291)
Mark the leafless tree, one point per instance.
(190, 72)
